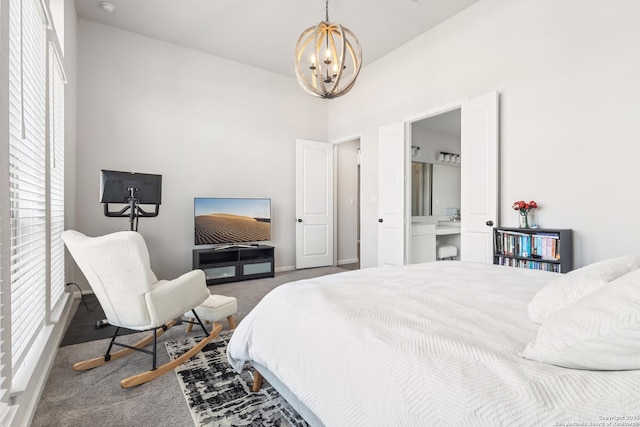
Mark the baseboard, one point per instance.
(347, 261)
(285, 268)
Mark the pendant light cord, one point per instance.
(326, 6)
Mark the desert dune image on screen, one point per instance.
(232, 220)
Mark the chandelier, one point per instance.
(328, 58)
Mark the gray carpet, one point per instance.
(94, 397)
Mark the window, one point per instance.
(31, 247)
(27, 108)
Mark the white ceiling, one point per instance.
(263, 33)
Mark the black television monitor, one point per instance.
(119, 187)
(220, 220)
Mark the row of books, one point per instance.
(538, 245)
(532, 265)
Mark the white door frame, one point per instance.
(407, 189)
(434, 112)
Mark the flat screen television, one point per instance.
(227, 221)
(118, 187)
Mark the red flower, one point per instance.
(523, 206)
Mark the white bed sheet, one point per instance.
(423, 345)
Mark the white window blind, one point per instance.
(56, 171)
(27, 169)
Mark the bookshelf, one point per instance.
(547, 249)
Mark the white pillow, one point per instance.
(599, 332)
(569, 288)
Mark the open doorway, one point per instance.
(435, 183)
(347, 193)
(478, 187)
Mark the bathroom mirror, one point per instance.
(421, 188)
(434, 188)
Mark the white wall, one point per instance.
(431, 143)
(211, 127)
(567, 73)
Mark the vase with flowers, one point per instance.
(524, 208)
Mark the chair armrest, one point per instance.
(172, 298)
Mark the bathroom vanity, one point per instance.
(435, 209)
(427, 233)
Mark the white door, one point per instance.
(391, 183)
(314, 204)
(479, 175)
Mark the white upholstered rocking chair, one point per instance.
(118, 269)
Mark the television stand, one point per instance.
(235, 263)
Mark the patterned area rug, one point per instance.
(218, 396)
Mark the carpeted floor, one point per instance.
(94, 397)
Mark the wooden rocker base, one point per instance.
(148, 375)
(169, 366)
(99, 361)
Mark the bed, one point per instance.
(435, 344)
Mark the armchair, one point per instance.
(118, 269)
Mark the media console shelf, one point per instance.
(235, 263)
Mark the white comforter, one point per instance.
(424, 345)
